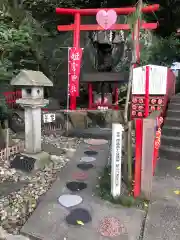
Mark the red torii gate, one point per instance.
(77, 27)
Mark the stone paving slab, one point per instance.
(163, 217)
(166, 180)
(48, 223)
(167, 168)
(163, 221)
(48, 220)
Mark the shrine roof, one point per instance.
(31, 78)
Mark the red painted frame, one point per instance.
(138, 156)
(77, 27)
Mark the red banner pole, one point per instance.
(76, 44)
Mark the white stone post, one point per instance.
(116, 159)
(32, 129)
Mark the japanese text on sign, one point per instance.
(118, 148)
(48, 118)
(75, 55)
(117, 130)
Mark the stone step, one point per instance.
(170, 153)
(169, 121)
(174, 106)
(173, 113)
(175, 97)
(170, 141)
(175, 100)
(94, 132)
(171, 131)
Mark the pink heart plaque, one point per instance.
(106, 18)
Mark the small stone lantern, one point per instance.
(33, 83)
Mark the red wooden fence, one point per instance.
(11, 97)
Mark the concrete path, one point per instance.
(49, 219)
(163, 218)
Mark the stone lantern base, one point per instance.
(42, 159)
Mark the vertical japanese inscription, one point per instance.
(116, 160)
(75, 55)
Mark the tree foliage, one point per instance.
(25, 23)
(19, 34)
(163, 51)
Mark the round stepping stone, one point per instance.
(68, 200)
(80, 176)
(85, 166)
(96, 141)
(91, 153)
(87, 159)
(78, 217)
(111, 227)
(76, 186)
(93, 148)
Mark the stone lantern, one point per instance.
(32, 83)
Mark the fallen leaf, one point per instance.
(177, 192)
(80, 222)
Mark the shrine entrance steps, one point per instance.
(170, 139)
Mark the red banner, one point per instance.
(75, 56)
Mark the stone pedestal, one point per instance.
(42, 159)
(32, 130)
(32, 112)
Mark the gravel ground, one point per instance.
(18, 205)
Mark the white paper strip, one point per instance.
(157, 80)
(139, 79)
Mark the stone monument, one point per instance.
(32, 83)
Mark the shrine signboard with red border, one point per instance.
(75, 56)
